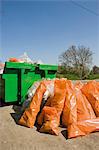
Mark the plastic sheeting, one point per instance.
(30, 94)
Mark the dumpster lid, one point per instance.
(48, 67)
(17, 65)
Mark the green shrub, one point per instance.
(93, 76)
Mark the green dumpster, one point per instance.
(49, 71)
(19, 77)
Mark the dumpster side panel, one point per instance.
(1, 87)
(10, 87)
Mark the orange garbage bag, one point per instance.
(88, 126)
(84, 108)
(83, 111)
(29, 116)
(91, 91)
(49, 120)
(58, 99)
(74, 131)
(69, 115)
(83, 127)
(59, 95)
(14, 60)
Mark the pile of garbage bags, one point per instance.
(24, 59)
(60, 102)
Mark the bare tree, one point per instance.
(68, 58)
(79, 59)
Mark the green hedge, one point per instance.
(68, 76)
(93, 76)
(75, 77)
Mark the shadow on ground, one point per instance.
(2, 103)
(64, 133)
(18, 113)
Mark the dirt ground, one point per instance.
(16, 137)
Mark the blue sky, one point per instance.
(45, 29)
